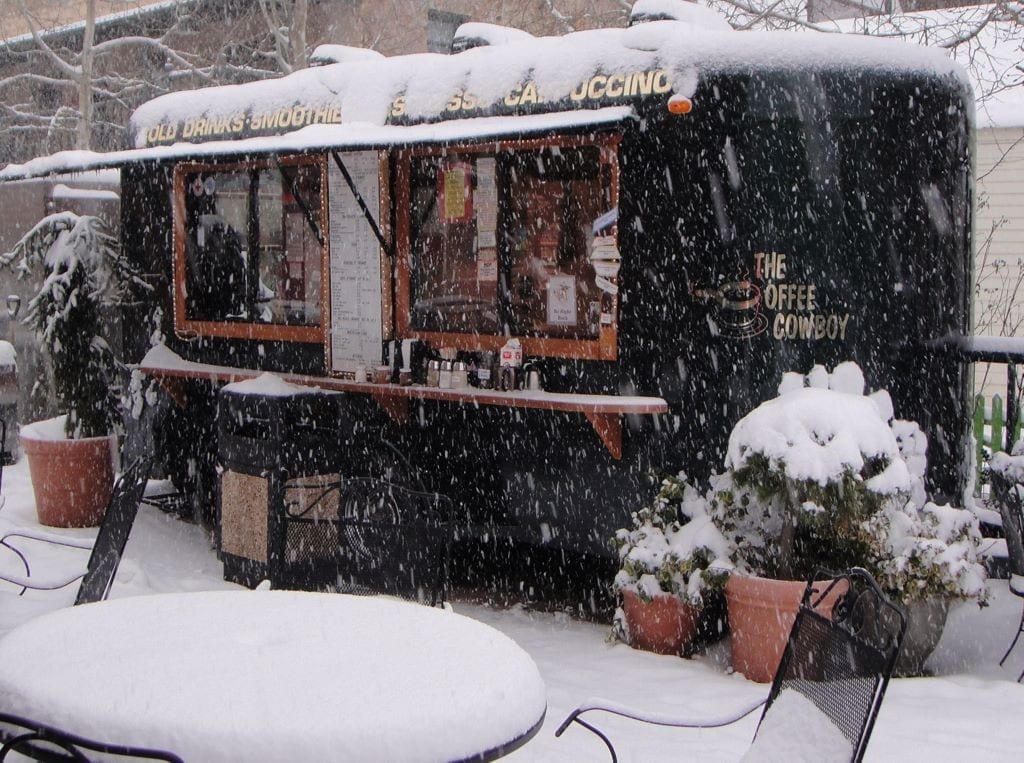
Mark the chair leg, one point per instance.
(575, 718)
(1020, 629)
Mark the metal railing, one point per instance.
(996, 422)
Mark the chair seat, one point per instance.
(797, 729)
(1017, 584)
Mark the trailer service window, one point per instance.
(249, 249)
(500, 240)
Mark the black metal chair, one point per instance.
(3, 457)
(394, 540)
(39, 741)
(106, 550)
(834, 673)
(1009, 498)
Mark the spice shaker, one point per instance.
(460, 375)
(483, 371)
(444, 379)
(433, 373)
(507, 379)
(533, 377)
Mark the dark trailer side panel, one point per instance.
(793, 219)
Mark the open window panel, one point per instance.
(510, 239)
(250, 249)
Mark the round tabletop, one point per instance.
(275, 676)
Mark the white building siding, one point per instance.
(999, 243)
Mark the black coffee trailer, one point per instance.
(666, 218)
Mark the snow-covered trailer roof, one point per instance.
(583, 70)
(518, 87)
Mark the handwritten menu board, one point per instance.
(356, 327)
(485, 201)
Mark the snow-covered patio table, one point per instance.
(275, 675)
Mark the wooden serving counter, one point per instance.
(602, 411)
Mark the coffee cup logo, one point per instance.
(739, 313)
(737, 307)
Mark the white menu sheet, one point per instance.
(355, 261)
(485, 202)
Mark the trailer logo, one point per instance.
(797, 311)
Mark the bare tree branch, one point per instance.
(277, 31)
(59, 63)
(561, 18)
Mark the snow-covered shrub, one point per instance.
(82, 271)
(928, 552)
(672, 546)
(824, 476)
(1010, 466)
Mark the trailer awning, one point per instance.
(342, 137)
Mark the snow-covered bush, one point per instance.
(1010, 466)
(82, 271)
(824, 476)
(927, 552)
(672, 547)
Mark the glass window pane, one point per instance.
(503, 243)
(553, 198)
(450, 292)
(279, 283)
(215, 276)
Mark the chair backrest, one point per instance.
(1009, 497)
(39, 741)
(114, 530)
(394, 540)
(834, 671)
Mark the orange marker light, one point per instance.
(679, 104)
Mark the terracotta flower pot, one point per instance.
(761, 615)
(663, 625)
(71, 479)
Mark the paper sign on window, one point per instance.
(487, 266)
(562, 300)
(455, 192)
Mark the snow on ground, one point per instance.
(970, 710)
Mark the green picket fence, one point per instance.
(990, 428)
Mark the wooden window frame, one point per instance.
(186, 328)
(604, 347)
